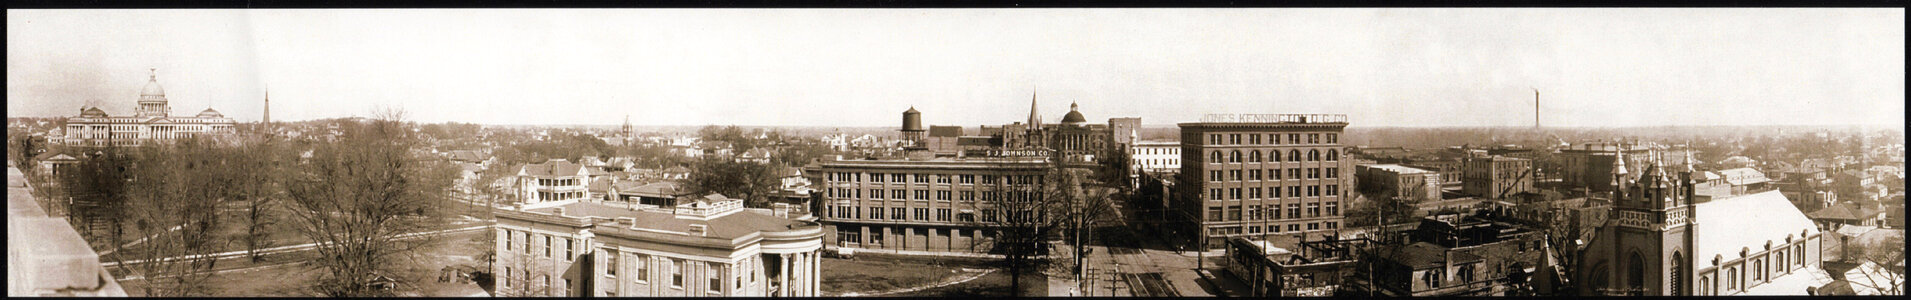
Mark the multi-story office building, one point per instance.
(152, 120)
(1496, 177)
(1245, 174)
(922, 204)
(553, 180)
(1389, 180)
(1158, 157)
(711, 247)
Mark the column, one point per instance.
(783, 274)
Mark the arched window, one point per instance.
(1234, 157)
(1215, 157)
(1678, 274)
(1635, 273)
(1705, 286)
(1333, 155)
(1274, 156)
(1313, 155)
(1254, 155)
(1599, 276)
(1293, 155)
(1731, 279)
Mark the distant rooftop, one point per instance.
(1400, 169)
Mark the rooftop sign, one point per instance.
(1274, 118)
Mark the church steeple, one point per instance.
(1034, 116)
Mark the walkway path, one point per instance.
(230, 254)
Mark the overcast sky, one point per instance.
(1382, 67)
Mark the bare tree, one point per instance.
(357, 195)
(260, 161)
(173, 201)
(1887, 275)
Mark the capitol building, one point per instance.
(152, 120)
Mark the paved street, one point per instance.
(1117, 270)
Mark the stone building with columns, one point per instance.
(151, 120)
(710, 247)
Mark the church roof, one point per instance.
(1728, 225)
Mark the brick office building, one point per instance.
(1242, 175)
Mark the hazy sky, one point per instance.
(1382, 67)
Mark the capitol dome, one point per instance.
(1073, 117)
(152, 86)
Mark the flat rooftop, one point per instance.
(1400, 169)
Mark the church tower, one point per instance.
(267, 119)
(1645, 246)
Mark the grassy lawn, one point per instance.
(995, 284)
(866, 274)
(283, 276)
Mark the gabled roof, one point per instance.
(1842, 211)
(554, 167)
(676, 169)
(1749, 221)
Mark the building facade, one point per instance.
(1245, 174)
(553, 180)
(713, 248)
(1389, 180)
(923, 205)
(151, 121)
(1157, 157)
(1496, 177)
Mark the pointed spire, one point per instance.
(1034, 116)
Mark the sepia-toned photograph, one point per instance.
(963, 153)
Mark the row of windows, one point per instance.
(1157, 151)
(900, 214)
(525, 241)
(1272, 138)
(1271, 212)
(676, 267)
(1273, 174)
(1272, 192)
(853, 236)
(1254, 156)
(1153, 162)
(902, 194)
(1215, 231)
(559, 196)
(1735, 281)
(925, 178)
(558, 182)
